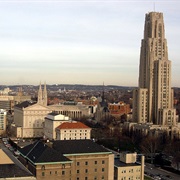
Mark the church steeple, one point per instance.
(45, 95)
(42, 95)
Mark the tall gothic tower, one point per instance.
(153, 99)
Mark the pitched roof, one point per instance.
(78, 147)
(73, 125)
(25, 104)
(41, 153)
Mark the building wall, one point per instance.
(50, 126)
(72, 111)
(128, 172)
(92, 166)
(31, 120)
(67, 134)
(83, 166)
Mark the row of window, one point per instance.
(86, 170)
(95, 162)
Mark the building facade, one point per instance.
(119, 109)
(73, 130)
(52, 121)
(153, 99)
(29, 116)
(74, 110)
(127, 168)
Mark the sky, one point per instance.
(80, 41)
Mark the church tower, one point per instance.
(42, 95)
(153, 99)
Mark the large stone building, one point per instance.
(68, 159)
(74, 110)
(29, 116)
(153, 99)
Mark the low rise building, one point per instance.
(126, 167)
(73, 130)
(52, 121)
(119, 109)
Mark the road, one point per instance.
(151, 170)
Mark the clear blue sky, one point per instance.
(80, 41)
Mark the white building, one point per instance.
(73, 130)
(29, 119)
(52, 121)
(29, 116)
(3, 121)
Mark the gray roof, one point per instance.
(39, 152)
(25, 104)
(78, 147)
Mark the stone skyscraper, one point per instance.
(153, 99)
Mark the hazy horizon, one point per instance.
(80, 42)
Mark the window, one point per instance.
(63, 166)
(43, 173)
(78, 163)
(86, 163)
(95, 162)
(78, 171)
(102, 169)
(86, 178)
(55, 172)
(50, 172)
(86, 170)
(63, 172)
(103, 161)
(95, 170)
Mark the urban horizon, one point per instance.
(79, 42)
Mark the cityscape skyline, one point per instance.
(80, 42)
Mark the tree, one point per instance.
(149, 146)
